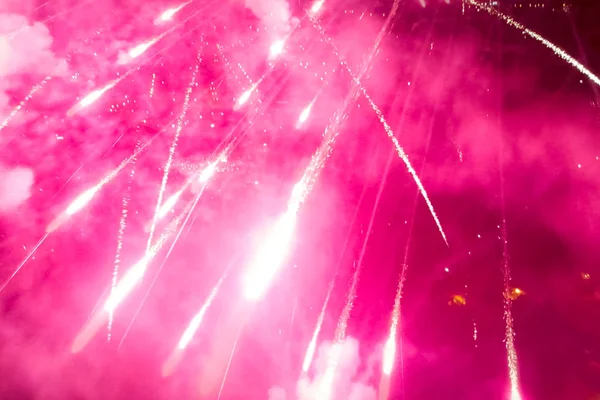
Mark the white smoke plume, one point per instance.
(15, 187)
(274, 14)
(350, 382)
(25, 48)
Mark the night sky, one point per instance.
(500, 130)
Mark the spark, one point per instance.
(125, 285)
(24, 102)
(509, 333)
(389, 354)
(121, 233)
(190, 331)
(168, 205)
(74, 207)
(142, 48)
(194, 324)
(270, 256)
(92, 97)
(358, 86)
(152, 85)
(244, 97)
(172, 148)
(557, 50)
(304, 114)
(276, 49)
(22, 263)
(310, 352)
(168, 14)
(316, 7)
(86, 197)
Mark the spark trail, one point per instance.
(310, 352)
(509, 334)
(77, 205)
(204, 178)
(557, 50)
(120, 236)
(125, 285)
(308, 357)
(169, 162)
(389, 350)
(388, 130)
(24, 102)
(189, 333)
(325, 387)
(81, 201)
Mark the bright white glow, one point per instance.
(168, 14)
(389, 355)
(310, 352)
(316, 6)
(208, 172)
(245, 97)
(190, 330)
(304, 115)
(276, 48)
(271, 255)
(140, 49)
(93, 97)
(81, 201)
(126, 284)
(168, 205)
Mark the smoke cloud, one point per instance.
(24, 49)
(273, 14)
(15, 187)
(351, 379)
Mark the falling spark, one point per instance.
(270, 257)
(190, 331)
(92, 97)
(122, 226)
(509, 333)
(168, 14)
(389, 354)
(316, 7)
(310, 352)
(141, 48)
(276, 49)
(388, 130)
(84, 198)
(311, 348)
(152, 85)
(24, 102)
(557, 50)
(168, 205)
(244, 98)
(194, 324)
(325, 387)
(125, 285)
(304, 115)
(172, 148)
(29, 255)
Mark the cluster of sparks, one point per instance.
(275, 249)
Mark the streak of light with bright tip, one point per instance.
(310, 351)
(168, 14)
(126, 284)
(171, 363)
